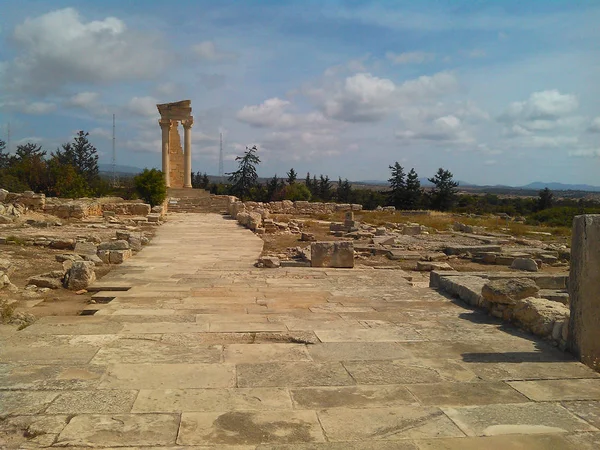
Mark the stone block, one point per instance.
(119, 256)
(526, 264)
(104, 255)
(63, 244)
(509, 290)
(584, 289)
(428, 266)
(270, 262)
(45, 282)
(119, 244)
(538, 315)
(411, 230)
(85, 248)
(122, 235)
(332, 254)
(80, 276)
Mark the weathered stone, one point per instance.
(428, 266)
(80, 276)
(3, 194)
(584, 289)
(67, 257)
(45, 282)
(509, 290)
(472, 249)
(85, 248)
(539, 315)
(153, 217)
(307, 237)
(270, 262)
(119, 256)
(135, 243)
(526, 264)
(104, 256)
(63, 244)
(122, 235)
(332, 254)
(93, 258)
(399, 254)
(119, 244)
(411, 230)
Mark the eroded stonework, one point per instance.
(176, 162)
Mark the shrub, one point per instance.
(150, 186)
(294, 192)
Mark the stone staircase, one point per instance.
(196, 201)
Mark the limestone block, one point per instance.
(538, 315)
(4, 219)
(270, 262)
(67, 257)
(104, 256)
(357, 207)
(584, 289)
(119, 256)
(411, 230)
(332, 254)
(3, 194)
(135, 243)
(526, 264)
(93, 258)
(85, 248)
(122, 235)
(428, 266)
(80, 275)
(63, 244)
(119, 244)
(153, 217)
(509, 290)
(45, 282)
(307, 237)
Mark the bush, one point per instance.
(150, 186)
(561, 216)
(294, 192)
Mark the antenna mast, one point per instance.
(221, 157)
(8, 138)
(114, 156)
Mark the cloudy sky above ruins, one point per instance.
(497, 92)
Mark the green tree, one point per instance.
(65, 181)
(245, 178)
(4, 156)
(308, 181)
(295, 191)
(398, 185)
(343, 191)
(291, 176)
(274, 185)
(82, 155)
(444, 192)
(325, 188)
(545, 199)
(29, 166)
(150, 186)
(412, 198)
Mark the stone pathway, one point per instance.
(205, 351)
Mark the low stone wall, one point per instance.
(513, 298)
(288, 207)
(72, 209)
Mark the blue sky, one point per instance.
(496, 92)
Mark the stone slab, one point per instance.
(557, 390)
(404, 422)
(351, 397)
(390, 372)
(23, 402)
(399, 334)
(292, 374)
(459, 394)
(253, 353)
(99, 401)
(526, 418)
(249, 427)
(120, 430)
(163, 376)
(136, 350)
(357, 351)
(191, 400)
(345, 445)
(587, 410)
(510, 442)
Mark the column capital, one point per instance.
(187, 123)
(165, 123)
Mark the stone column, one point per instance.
(187, 148)
(584, 290)
(165, 126)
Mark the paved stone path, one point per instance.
(205, 351)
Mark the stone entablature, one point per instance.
(176, 162)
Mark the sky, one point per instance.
(497, 92)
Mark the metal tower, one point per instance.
(114, 156)
(221, 172)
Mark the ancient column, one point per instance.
(584, 290)
(187, 149)
(165, 126)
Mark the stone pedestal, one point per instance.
(584, 290)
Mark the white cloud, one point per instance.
(60, 47)
(143, 106)
(366, 98)
(448, 129)
(272, 113)
(477, 53)
(83, 100)
(101, 133)
(585, 153)
(26, 107)
(208, 51)
(595, 125)
(410, 57)
(490, 162)
(540, 107)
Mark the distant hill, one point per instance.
(119, 168)
(538, 185)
